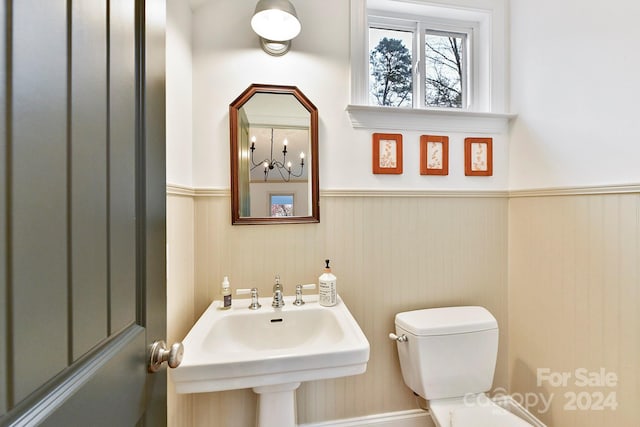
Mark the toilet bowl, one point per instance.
(448, 357)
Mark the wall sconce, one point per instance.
(276, 22)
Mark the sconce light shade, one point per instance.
(275, 20)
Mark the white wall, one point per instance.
(227, 59)
(574, 68)
(179, 94)
(584, 136)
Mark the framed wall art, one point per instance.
(387, 153)
(434, 155)
(478, 156)
(281, 204)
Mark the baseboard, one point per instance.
(413, 418)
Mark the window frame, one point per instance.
(420, 25)
(487, 54)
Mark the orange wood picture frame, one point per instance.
(434, 155)
(387, 153)
(478, 156)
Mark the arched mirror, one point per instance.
(274, 156)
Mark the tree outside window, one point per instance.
(390, 63)
(444, 69)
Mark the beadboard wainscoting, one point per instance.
(180, 291)
(574, 291)
(391, 252)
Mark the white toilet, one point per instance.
(448, 356)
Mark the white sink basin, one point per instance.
(242, 348)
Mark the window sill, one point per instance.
(394, 118)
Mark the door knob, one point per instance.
(158, 354)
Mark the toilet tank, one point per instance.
(449, 352)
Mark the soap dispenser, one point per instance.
(226, 294)
(328, 295)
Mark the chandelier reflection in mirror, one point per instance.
(284, 167)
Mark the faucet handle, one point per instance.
(299, 289)
(255, 304)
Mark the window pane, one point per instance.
(444, 69)
(390, 65)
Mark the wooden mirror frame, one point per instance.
(234, 107)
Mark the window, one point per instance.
(417, 63)
(281, 204)
(448, 55)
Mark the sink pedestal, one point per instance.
(277, 405)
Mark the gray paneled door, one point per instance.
(82, 212)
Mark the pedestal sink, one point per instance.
(271, 351)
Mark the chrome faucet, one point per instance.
(278, 298)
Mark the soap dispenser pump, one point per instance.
(328, 295)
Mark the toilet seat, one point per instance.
(479, 411)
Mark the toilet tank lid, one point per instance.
(446, 320)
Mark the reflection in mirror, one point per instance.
(282, 205)
(274, 156)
